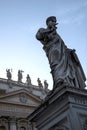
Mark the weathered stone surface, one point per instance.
(65, 108)
(64, 63)
(17, 101)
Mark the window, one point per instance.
(2, 128)
(22, 128)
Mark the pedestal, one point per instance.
(65, 108)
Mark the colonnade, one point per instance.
(12, 123)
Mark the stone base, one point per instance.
(65, 108)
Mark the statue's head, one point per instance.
(51, 18)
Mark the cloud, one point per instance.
(77, 19)
(73, 7)
(74, 13)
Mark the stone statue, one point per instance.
(20, 76)
(9, 75)
(28, 80)
(39, 83)
(64, 63)
(45, 84)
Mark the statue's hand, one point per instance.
(40, 34)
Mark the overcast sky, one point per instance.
(19, 22)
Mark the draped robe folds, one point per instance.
(64, 64)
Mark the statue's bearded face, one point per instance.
(52, 18)
(51, 23)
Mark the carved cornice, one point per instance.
(15, 110)
(19, 92)
(62, 95)
(13, 83)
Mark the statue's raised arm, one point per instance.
(64, 64)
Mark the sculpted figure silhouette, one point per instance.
(64, 63)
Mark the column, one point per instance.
(34, 126)
(13, 123)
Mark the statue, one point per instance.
(45, 84)
(64, 63)
(20, 76)
(28, 80)
(9, 75)
(39, 83)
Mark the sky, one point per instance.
(19, 23)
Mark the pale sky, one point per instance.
(19, 22)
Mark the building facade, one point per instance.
(17, 101)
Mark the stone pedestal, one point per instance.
(65, 108)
